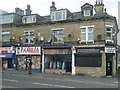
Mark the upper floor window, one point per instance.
(4, 19)
(109, 32)
(58, 35)
(34, 19)
(58, 15)
(87, 12)
(6, 36)
(87, 33)
(29, 37)
(29, 19)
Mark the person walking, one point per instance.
(29, 64)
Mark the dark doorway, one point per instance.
(10, 64)
(68, 66)
(109, 58)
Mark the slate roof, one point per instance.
(75, 16)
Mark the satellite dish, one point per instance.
(42, 38)
(99, 37)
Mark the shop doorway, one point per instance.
(10, 63)
(109, 58)
(68, 66)
(7, 63)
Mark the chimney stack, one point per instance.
(53, 8)
(28, 11)
(19, 11)
(99, 7)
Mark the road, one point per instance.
(34, 81)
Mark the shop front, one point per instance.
(90, 60)
(57, 59)
(95, 60)
(111, 61)
(29, 54)
(8, 58)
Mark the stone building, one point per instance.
(76, 43)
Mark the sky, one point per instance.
(42, 7)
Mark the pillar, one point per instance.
(73, 60)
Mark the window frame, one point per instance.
(5, 33)
(29, 36)
(63, 15)
(86, 10)
(111, 28)
(59, 34)
(87, 33)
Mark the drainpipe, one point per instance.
(43, 61)
(73, 60)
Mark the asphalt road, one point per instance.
(31, 81)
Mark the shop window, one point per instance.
(35, 62)
(21, 62)
(6, 36)
(54, 62)
(58, 35)
(29, 37)
(86, 33)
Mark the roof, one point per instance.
(75, 16)
(87, 4)
(3, 12)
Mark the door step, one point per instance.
(109, 76)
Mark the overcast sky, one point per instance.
(42, 7)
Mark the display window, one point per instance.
(55, 62)
(35, 62)
(21, 62)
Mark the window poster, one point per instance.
(21, 62)
(35, 62)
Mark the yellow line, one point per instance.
(88, 82)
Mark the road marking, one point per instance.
(63, 86)
(53, 85)
(88, 82)
(10, 80)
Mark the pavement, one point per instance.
(109, 80)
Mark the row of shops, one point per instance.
(94, 60)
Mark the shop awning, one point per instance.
(7, 55)
(56, 47)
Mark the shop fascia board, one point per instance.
(81, 46)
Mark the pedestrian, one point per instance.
(29, 64)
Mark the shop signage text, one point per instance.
(28, 50)
(109, 50)
(7, 50)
